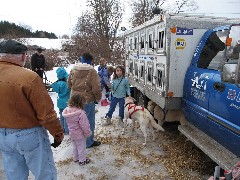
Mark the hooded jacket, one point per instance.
(84, 80)
(77, 122)
(25, 102)
(61, 87)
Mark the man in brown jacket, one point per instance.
(26, 113)
(84, 80)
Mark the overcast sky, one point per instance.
(60, 16)
(57, 16)
(224, 8)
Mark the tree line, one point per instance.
(11, 30)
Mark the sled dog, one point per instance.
(169, 116)
(142, 115)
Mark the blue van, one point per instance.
(212, 87)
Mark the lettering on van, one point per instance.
(184, 31)
(236, 106)
(234, 96)
(199, 85)
(180, 43)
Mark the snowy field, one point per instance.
(122, 157)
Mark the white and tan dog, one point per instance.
(170, 116)
(142, 115)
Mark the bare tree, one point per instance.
(142, 10)
(96, 30)
(183, 6)
(65, 36)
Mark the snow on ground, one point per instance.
(107, 160)
(120, 157)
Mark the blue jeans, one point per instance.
(89, 108)
(24, 150)
(113, 105)
(63, 122)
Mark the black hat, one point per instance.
(12, 47)
(39, 50)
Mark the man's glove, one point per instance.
(57, 140)
(56, 143)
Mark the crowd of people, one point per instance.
(28, 112)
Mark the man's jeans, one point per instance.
(63, 122)
(89, 108)
(24, 150)
(113, 105)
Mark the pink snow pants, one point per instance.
(79, 149)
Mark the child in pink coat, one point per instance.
(79, 128)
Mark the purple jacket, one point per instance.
(104, 76)
(77, 122)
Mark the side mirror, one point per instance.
(229, 73)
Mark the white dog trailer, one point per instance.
(159, 52)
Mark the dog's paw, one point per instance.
(144, 144)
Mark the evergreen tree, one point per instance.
(11, 30)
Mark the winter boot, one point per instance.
(104, 102)
(108, 121)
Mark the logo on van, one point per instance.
(233, 95)
(199, 86)
(180, 43)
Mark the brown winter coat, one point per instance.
(84, 80)
(25, 102)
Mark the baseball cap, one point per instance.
(12, 47)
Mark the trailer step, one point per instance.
(219, 154)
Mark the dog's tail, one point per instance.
(155, 125)
(153, 122)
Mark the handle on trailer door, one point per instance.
(219, 86)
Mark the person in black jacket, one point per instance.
(38, 62)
